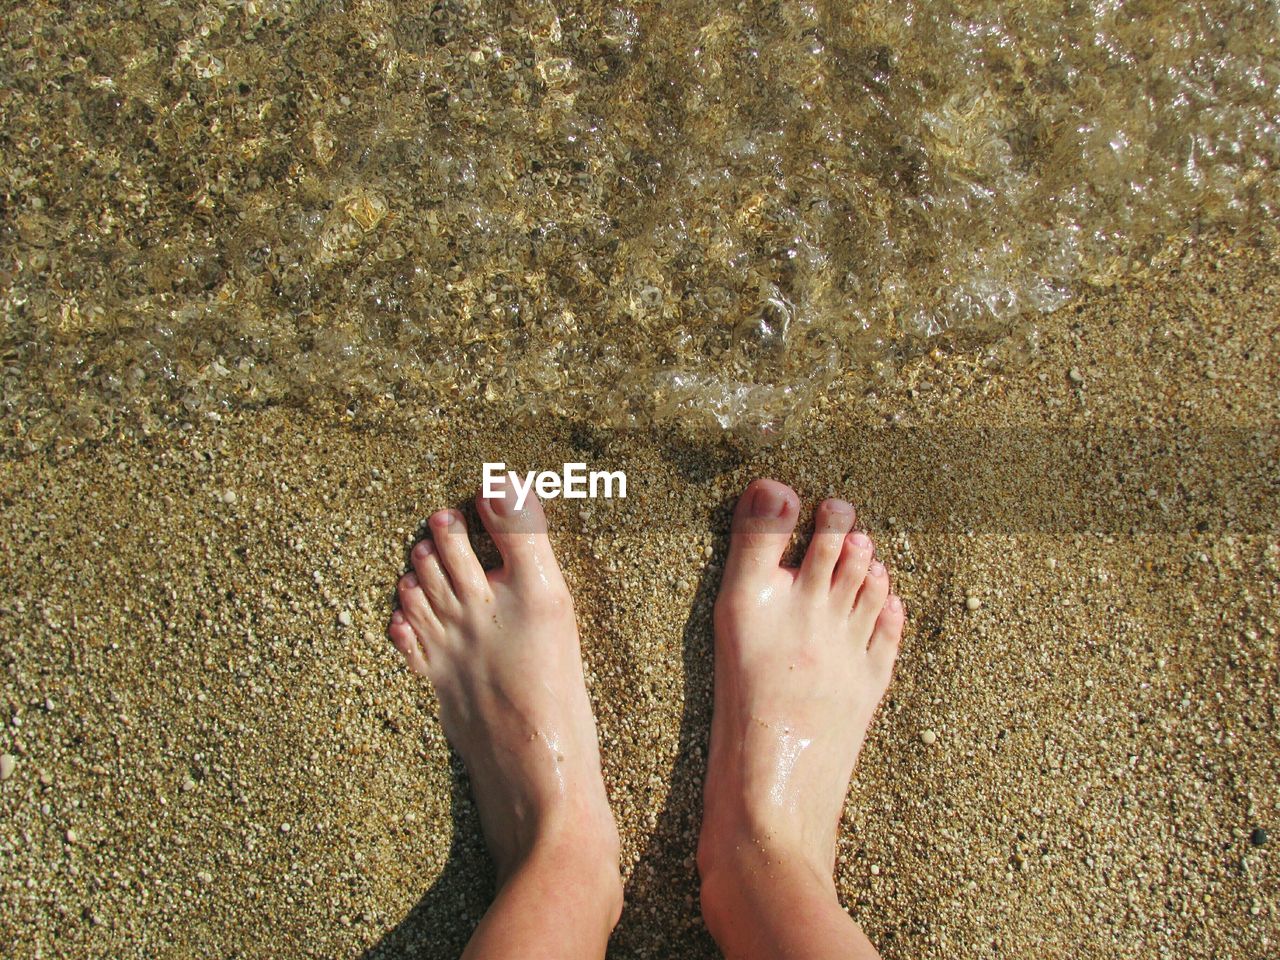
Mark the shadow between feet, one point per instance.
(661, 917)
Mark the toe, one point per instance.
(432, 578)
(449, 531)
(762, 524)
(519, 534)
(870, 600)
(832, 522)
(415, 606)
(851, 568)
(883, 648)
(406, 641)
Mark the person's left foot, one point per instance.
(501, 649)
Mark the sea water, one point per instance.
(688, 212)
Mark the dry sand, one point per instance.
(208, 762)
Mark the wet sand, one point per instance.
(209, 761)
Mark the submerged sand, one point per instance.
(209, 761)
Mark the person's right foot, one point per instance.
(802, 659)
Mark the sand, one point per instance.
(208, 761)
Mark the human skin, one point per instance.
(802, 659)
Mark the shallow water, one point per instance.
(632, 214)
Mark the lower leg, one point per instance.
(561, 901)
(802, 659)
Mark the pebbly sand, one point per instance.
(1079, 761)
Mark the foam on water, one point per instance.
(676, 212)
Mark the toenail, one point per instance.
(410, 581)
(841, 508)
(860, 539)
(895, 604)
(767, 502)
(445, 517)
(423, 548)
(397, 617)
(877, 569)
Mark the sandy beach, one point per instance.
(215, 752)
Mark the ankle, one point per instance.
(738, 880)
(743, 837)
(573, 823)
(731, 866)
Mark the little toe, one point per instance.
(830, 525)
(432, 578)
(851, 568)
(870, 600)
(405, 639)
(520, 533)
(887, 633)
(762, 524)
(453, 544)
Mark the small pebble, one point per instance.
(72, 836)
(229, 497)
(928, 738)
(1075, 376)
(1258, 837)
(8, 763)
(875, 869)
(344, 618)
(973, 603)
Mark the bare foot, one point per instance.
(803, 657)
(501, 649)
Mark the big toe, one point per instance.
(519, 530)
(762, 525)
